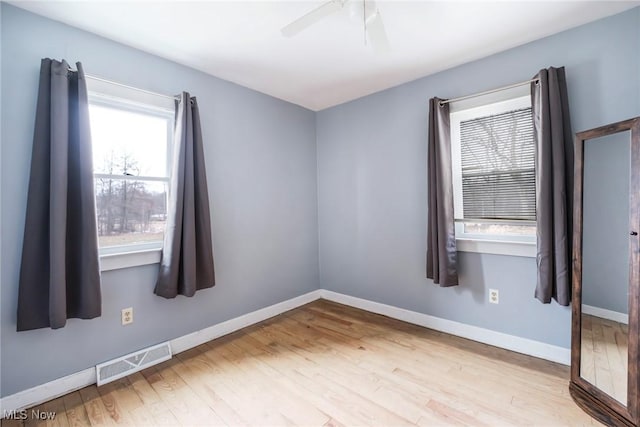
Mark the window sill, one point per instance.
(497, 247)
(129, 259)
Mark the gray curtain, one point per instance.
(60, 272)
(554, 185)
(187, 255)
(441, 237)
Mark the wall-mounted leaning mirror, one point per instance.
(606, 273)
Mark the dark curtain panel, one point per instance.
(60, 272)
(187, 255)
(441, 237)
(554, 185)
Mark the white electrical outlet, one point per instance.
(127, 316)
(494, 296)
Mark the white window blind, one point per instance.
(498, 170)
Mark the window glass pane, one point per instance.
(128, 143)
(498, 173)
(130, 212)
(506, 229)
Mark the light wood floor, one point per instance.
(604, 355)
(325, 364)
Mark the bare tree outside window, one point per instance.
(131, 179)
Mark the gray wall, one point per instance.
(372, 180)
(605, 255)
(261, 165)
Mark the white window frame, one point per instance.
(482, 106)
(113, 95)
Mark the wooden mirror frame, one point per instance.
(594, 401)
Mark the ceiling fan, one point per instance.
(364, 11)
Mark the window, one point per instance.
(131, 139)
(493, 156)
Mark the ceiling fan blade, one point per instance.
(311, 18)
(377, 34)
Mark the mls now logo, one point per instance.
(35, 414)
(15, 415)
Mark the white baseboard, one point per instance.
(205, 335)
(59, 387)
(498, 339)
(45, 392)
(606, 314)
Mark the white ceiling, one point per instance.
(328, 63)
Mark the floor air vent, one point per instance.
(134, 362)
